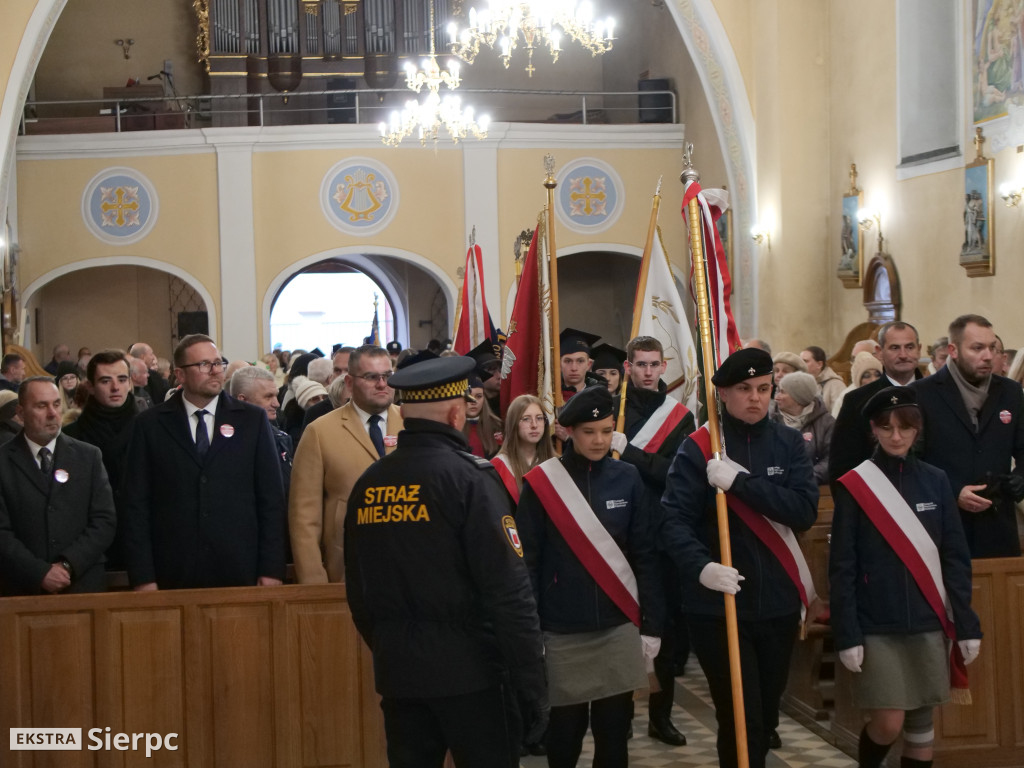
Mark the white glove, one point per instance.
(722, 473)
(721, 578)
(619, 442)
(651, 646)
(852, 658)
(969, 649)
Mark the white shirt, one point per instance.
(34, 447)
(208, 419)
(364, 417)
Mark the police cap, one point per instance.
(607, 356)
(442, 378)
(571, 341)
(592, 404)
(393, 347)
(887, 399)
(741, 365)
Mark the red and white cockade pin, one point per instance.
(1005, 417)
(390, 441)
(61, 475)
(227, 430)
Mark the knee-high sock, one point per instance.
(870, 754)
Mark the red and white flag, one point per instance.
(474, 324)
(526, 363)
(713, 204)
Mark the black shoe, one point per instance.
(774, 742)
(537, 749)
(664, 731)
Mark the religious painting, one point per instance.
(724, 226)
(997, 44)
(977, 254)
(851, 244)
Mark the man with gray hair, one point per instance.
(254, 384)
(140, 378)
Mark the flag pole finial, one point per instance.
(657, 192)
(472, 236)
(689, 172)
(549, 169)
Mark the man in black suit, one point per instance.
(203, 493)
(56, 509)
(972, 431)
(851, 437)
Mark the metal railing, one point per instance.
(346, 106)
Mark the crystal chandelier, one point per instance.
(426, 118)
(531, 23)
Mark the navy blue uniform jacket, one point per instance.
(212, 522)
(950, 442)
(871, 590)
(780, 485)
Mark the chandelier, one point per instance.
(425, 118)
(506, 26)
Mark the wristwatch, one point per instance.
(66, 565)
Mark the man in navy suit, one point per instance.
(973, 430)
(56, 508)
(203, 492)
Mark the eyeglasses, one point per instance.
(532, 420)
(373, 378)
(644, 364)
(205, 366)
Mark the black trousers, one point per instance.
(609, 721)
(660, 703)
(765, 650)
(481, 729)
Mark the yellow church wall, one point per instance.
(53, 234)
(16, 14)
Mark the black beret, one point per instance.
(571, 341)
(741, 365)
(607, 356)
(393, 347)
(440, 378)
(887, 399)
(592, 404)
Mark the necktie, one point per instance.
(46, 462)
(202, 436)
(375, 434)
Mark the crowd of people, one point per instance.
(518, 578)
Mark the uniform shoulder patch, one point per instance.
(475, 460)
(508, 525)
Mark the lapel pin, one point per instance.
(1005, 417)
(61, 475)
(227, 430)
(390, 441)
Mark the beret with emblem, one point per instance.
(442, 378)
(887, 399)
(741, 365)
(592, 404)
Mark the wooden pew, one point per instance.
(268, 676)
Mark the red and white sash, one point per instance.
(508, 477)
(903, 531)
(779, 538)
(666, 418)
(583, 532)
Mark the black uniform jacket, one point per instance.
(640, 405)
(434, 575)
(950, 442)
(872, 592)
(568, 598)
(851, 436)
(212, 522)
(43, 520)
(780, 485)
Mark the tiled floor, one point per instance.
(695, 717)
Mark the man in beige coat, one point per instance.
(334, 451)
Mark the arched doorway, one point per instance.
(418, 295)
(101, 303)
(596, 290)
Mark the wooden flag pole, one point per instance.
(556, 351)
(641, 291)
(698, 256)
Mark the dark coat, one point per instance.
(780, 485)
(215, 522)
(43, 521)
(640, 405)
(817, 435)
(950, 442)
(871, 590)
(851, 436)
(434, 572)
(568, 598)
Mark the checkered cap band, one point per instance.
(447, 391)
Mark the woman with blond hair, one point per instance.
(526, 443)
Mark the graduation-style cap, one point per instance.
(317, 351)
(571, 341)
(485, 358)
(607, 356)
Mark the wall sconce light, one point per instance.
(1011, 193)
(126, 45)
(867, 218)
(761, 234)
